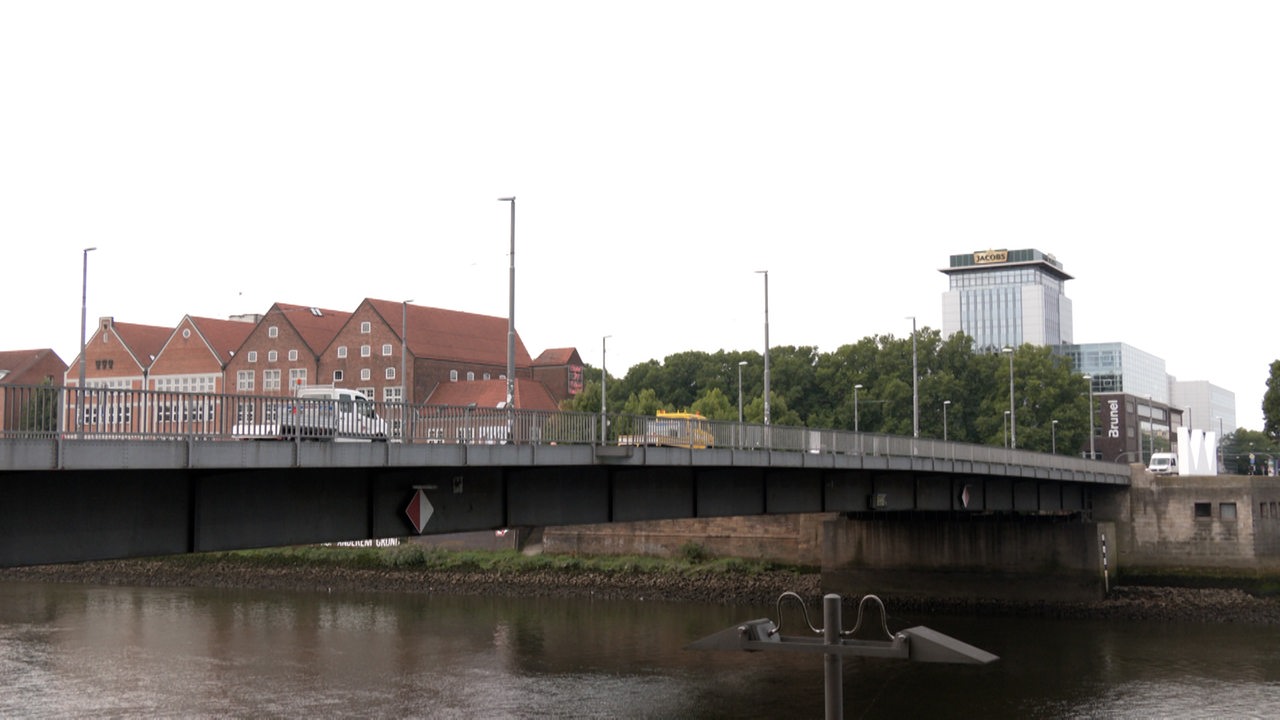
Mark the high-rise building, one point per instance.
(1007, 298)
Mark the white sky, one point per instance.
(226, 155)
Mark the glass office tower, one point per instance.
(1005, 298)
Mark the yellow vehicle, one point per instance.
(672, 429)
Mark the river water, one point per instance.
(118, 652)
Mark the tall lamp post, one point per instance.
(404, 377)
(945, 403)
(511, 310)
(1006, 429)
(604, 346)
(915, 384)
(766, 344)
(741, 363)
(1013, 421)
(1092, 454)
(856, 388)
(1053, 437)
(84, 297)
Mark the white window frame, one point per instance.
(366, 351)
(272, 356)
(342, 351)
(366, 327)
(273, 332)
(293, 356)
(337, 376)
(253, 356)
(365, 374)
(386, 349)
(391, 373)
(244, 380)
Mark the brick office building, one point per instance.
(283, 350)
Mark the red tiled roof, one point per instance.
(529, 394)
(143, 341)
(224, 337)
(452, 335)
(556, 356)
(13, 363)
(317, 326)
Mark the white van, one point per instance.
(1163, 464)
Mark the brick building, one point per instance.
(283, 350)
(27, 410)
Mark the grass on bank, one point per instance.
(692, 559)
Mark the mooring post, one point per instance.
(834, 678)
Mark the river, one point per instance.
(120, 652)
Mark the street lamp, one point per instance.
(766, 343)
(511, 311)
(1089, 379)
(404, 377)
(84, 297)
(1151, 426)
(740, 364)
(1013, 422)
(915, 384)
(945, 403)
(1053, 437)
(1006, 429)
(603, 349)
(856, 388)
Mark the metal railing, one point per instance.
(41, 411)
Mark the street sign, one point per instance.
(419, 510)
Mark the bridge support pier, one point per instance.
(1002, 557)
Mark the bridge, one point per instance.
(148, 474)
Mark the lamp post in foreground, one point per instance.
(1053, 437)
(84, 297)
(404, 377)
(915, 384)
(856, 388)
(945, 403)
(741, 363)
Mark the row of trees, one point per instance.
(815, 389)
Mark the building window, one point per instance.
(270, 379)
(297, 376)
(453, 376)
(391, 373)
(366, 351)
(244, 381)
(1227, 512)
(337, 376)
(253, 356)
(342, 351)
(471, 376)
(366, 328)
(365, 374)
(386, 349)
(272, 356)
(392, 393)
(1203, 510)
(293, 356)
(487, 376)
(366, 391)
(273, 332)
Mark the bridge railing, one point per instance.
(41, 411)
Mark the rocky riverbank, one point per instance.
(753, 588)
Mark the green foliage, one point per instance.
(1271, 403)
(693, 552)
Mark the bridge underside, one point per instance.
(74, 515)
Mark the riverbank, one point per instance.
(716, 584)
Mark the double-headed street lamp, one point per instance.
(1013, 422)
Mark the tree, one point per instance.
(713, 405)
(1271, 403)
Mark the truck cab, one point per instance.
(1163, 464)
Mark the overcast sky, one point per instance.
(223, 156)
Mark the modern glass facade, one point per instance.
(1005, 298)
(1120, 368)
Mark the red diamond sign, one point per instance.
(419, 510)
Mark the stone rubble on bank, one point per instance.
(1125, 602)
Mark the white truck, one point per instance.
(314, 412)
(1163, 463)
